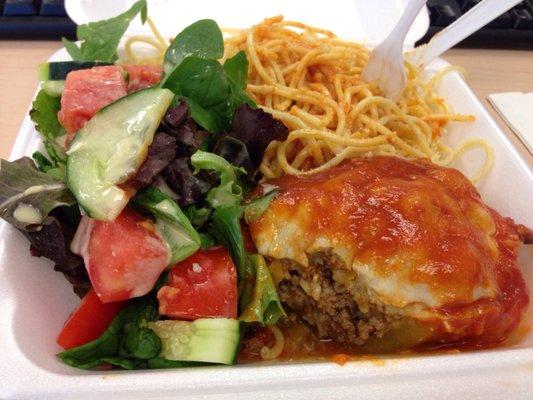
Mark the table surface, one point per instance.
(489, 71)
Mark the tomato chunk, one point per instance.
(202, 286)
(86, 92)
(88, 321)
(124, 258)
(142, 76)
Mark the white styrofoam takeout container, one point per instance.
(35, 300)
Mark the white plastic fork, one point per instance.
(385, 66)
(470, 22)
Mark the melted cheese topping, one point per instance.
(417, 235)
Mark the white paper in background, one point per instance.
(516, 109)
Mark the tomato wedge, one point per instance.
(124, 258)
(88, 321)
(202, 286)
(86, 92)
(142, 76)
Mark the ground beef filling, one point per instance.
(311, 295)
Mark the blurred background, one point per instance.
(47, 19)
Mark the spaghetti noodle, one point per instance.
(310, 80)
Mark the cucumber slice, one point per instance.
(211, 340)
(53, 71)
(53, 88)
(111, 147)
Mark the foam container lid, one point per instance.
(35, 300)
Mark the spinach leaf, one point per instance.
(237, 71)
(140, 342)
(237, 98)
(201, 39)
(265, 306)
(100, 39)
(210, 89)
(199, 79)
(229, 192)
(94, 353)
(171, 223)
(27, 195)
(205, 87)
(236, 68)
(44, 115)
(207, 119)
(107, 348)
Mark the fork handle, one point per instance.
(476, 18)
(406, 20)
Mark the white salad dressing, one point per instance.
(80, 242)
(27, 214)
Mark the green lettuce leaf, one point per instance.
(226, 229)
(171, 223)
(257, 207)
(27, 195)
(202, 39)
(100, 39)
(44, 115)
(258, 298)
(264, 306)
(229, 192)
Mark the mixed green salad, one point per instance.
(138, 198)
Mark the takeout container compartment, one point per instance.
(35, 300)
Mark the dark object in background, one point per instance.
(37, 19)
(512, 30)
